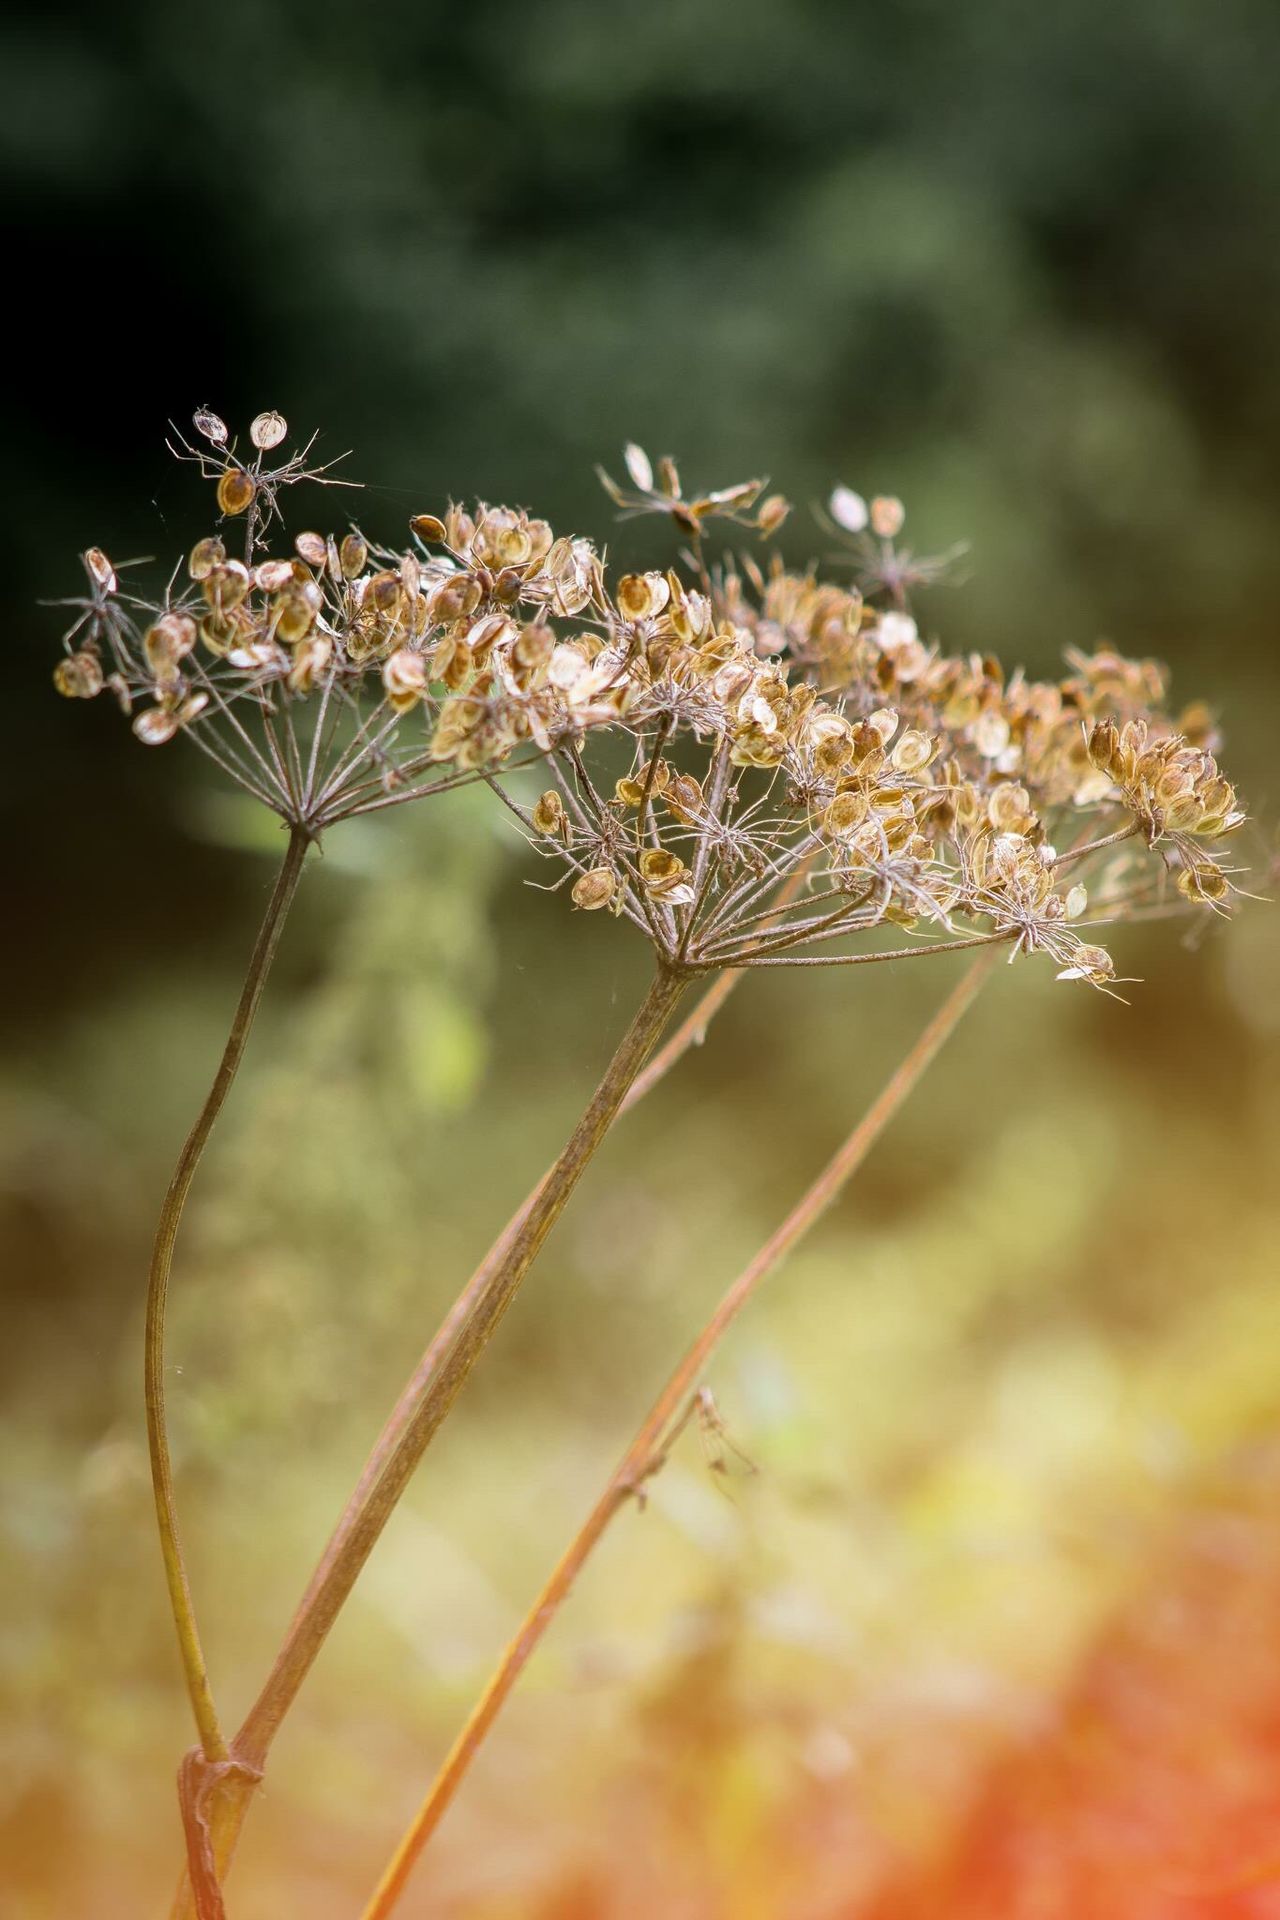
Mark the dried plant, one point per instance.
(805, 771)
(754, 766)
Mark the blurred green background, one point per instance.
(994, 1629)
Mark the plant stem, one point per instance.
(422, 1407)
(197, 1677)
(647, 1450)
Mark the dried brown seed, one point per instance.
(236, 491)
(594, 889)
(404, 676)
(205, 556)
(548, 815)
(353, 553)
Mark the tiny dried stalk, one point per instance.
(202, 1705)
(648, 1449)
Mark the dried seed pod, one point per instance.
(548, 815)
(771, 514)
(887, 515)
(79, 675)
(156, 725)
(353, 554)
(429, 527)
(638, 466)
(641, 596)
(273, 575)
(167, 642)
(293, 614)
(912, 752)
(660, 868)
(404, 675)
(990, 734)
(100, 570)
(848, 509)
(311, 548)
(236, 491)
(268, 430)
(227, 586)
(846, 814)
(594, 889)
(211, 425)
(205, 556)
(1090, 963)
(310, 658)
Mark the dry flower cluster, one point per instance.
(754, 765)
(806, 769)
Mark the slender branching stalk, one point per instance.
(197, 1678)
(667, 1417)
(423, 1406)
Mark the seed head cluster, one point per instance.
(753, 764)
(806, 773)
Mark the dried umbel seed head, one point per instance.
(806, 773)
(810, 770)
(337, 676)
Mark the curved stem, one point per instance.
(648, 1449)
(197, 1678)
(421, 1409)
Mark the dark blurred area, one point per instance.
(1017, 265)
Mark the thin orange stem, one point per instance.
(647, 1449)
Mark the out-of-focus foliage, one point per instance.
(1015, 1407)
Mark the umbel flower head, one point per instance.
(326, 676)
(803, 774)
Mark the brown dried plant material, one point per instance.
(787, 725)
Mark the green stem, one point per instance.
(211, 1738)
